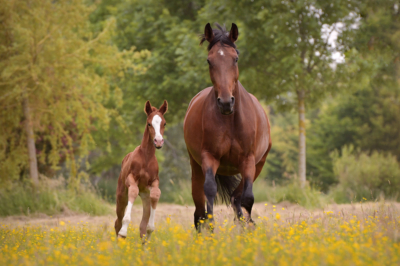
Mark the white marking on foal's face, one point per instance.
(156, 122)
(221, 52)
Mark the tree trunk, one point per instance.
(302, 138)
(30, 139)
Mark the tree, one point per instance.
(369, 116)
(286, 51)
(166, 32)
(55, 76)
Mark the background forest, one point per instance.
(74, 77)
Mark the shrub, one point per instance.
(50, 197)
(362, 175)
(292, 192)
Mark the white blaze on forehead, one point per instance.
(221, 52)
(156, 122)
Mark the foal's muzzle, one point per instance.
(158, 143)
(226, 106)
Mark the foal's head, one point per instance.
(156, 122)
(222, 60)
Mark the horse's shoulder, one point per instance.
(197, 98)
(201, 93)
(132, 158)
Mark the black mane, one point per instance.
(220, 35)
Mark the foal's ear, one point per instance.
(234, 33)
(147, 108)
(208, 33)
(163, 108)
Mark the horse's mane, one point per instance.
(220, 35)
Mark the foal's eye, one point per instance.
(148, 124)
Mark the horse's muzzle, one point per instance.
(226, 107)
(158, 143)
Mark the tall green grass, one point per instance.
(263, 192)
(307, 197)
(50, 197)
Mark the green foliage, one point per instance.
(362, 175)
(292, 192)
(281, 163)
(51, 197)
(50, 56)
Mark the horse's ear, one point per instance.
(208, 33)
(234, 33)
(163, 108)
(147, 108)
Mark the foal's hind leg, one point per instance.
(150, 200)
(122, 223)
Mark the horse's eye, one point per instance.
(236, 59)
(148, 124)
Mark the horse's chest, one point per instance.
(145, 176)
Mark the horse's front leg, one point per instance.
(209, 167)
(133, 192)
(247, 170)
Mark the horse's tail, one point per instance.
(225, 187)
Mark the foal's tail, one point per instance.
(225, 187)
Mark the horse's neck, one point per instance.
(240, 95)
(147, 146)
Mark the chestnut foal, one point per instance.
(139, 175)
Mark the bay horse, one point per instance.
(139, 175)
(227, 132)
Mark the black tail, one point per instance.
(225, 187)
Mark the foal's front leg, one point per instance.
(150, 200)
(133, 191)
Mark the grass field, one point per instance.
(285, 234)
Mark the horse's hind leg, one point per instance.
(133, 191)
(209, 167)
(236, 200)
(248, 170)
(145, 196)
(198, 192)
(150, 201)
(122, 200)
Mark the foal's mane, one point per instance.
(220, 35)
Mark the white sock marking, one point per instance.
(151, 226)
(156, 122)
(221, 52)
(126, 220)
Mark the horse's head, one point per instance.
(223, 64)
(156, 122)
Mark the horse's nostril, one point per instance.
(219, 100)
(233, 99)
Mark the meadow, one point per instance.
(365, 233)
